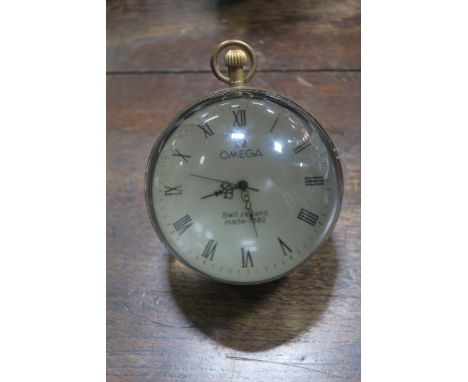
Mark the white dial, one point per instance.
(243, 186)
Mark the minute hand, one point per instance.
(222, 181)
(248, 206)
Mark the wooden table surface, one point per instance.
(165, 323)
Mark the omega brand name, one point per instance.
(240, 154)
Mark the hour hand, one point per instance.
(226, 189)
(216, 193)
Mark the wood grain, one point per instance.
(175, 35)
(165, 323)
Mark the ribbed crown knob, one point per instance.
(235, 58)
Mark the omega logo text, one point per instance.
(240, 154)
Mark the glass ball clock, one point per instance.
(244, 185)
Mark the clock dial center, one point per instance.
(242, 185)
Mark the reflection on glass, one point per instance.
(237, 135)
(211, 118)
(198, 227)
(278, 147)
(251, 244)
(301, 164)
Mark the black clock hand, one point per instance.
(252, 219)
(216, 193)
(222, 181)
(248, 206)
(227, 189)
(206, 177)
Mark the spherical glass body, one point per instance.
(243, 186)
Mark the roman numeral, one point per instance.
(274, 124)
(307, 216)
(210, 249)
(177, 190)
(206, 130)
(314, 181)
(302, 146)
(177, 153)
(284, 247)
(239, 118)
(246, 258)
(182, 224)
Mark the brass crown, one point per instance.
(235, 58)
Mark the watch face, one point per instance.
(243, 186)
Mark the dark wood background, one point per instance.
(165, 323)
